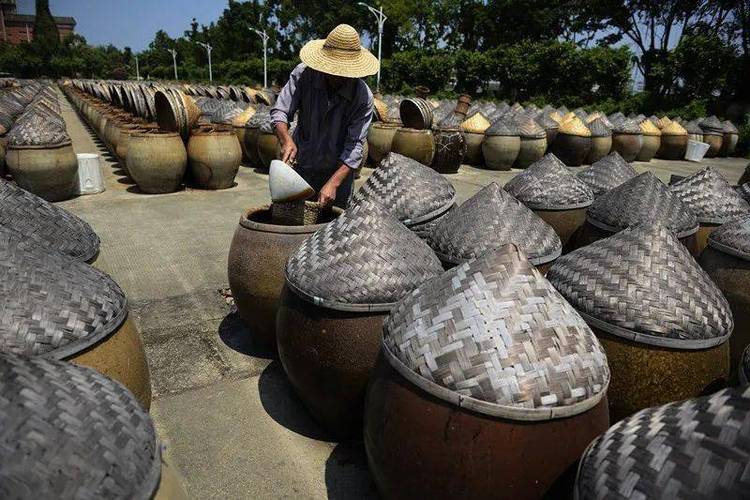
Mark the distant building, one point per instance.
(19, 28)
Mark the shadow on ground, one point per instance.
(347, 474)
(236, 336)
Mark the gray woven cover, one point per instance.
(710, 196)
(528, 128)
(48, 225)
(712, 125)
(744, 368)
(493, 336)
(640, 200)
(412, 192)
(628, 126)
(730, 128)
(67, 431)
(489, 219)
(365, 260)
(546, 121)
(607, 173)
(642, 284)
(744, 191)
(692, 128)
(599, 128)
(733, 238)
(548, 185)
(36, 130)
(697, 449)
(261, 117)
(502, 126)
(51, 305)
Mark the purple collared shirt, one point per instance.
(330, 131)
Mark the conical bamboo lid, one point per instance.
(648, 128)
(664, 121)
(241, 119)
(673, 128)
(476, 123)
(574, 126)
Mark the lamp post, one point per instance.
(174, 61)
(378, 13)
(208, 49)
(137, 69)
(264, 37)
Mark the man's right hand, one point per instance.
(288, 151)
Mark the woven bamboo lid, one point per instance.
(410, 191)
(574, 126)
(36, 129)
(516, 108)
(642, 284)
(593, 116)
(712, 125)
(664, 122)
(616, 117)
(690, 449)
(548, 185)
(744, 191)
(503, 126)
(648, 128)
(692, 128)
(729, 128)
(47, 225)
(476, 123)
(241, 118)
(733, 238)
(261, 117)
(599, 129)
(710, 196)
(555, 115)
(365, 260)
(66, 431)
(628, 126)
(607, 173)
(546, 121)
(528, 128)
(493, 336)
(744, 368)
(641, 200)
(489, 219)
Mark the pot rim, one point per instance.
(535, 261)
(613, 229)
(338, 306)
(728, 250)
(155, 133)
(264, 227)
(430, 215)
(40, 146)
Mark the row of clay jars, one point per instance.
(443, 149)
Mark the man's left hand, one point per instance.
(327, 194)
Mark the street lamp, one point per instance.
(174, 62)
(381, 20)
(264, 37)
(137, 69)
(208, 49)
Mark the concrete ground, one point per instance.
(231, 421)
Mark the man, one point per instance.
(334, 109)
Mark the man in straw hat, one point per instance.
(334, 109)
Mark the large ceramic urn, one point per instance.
(59, 308)
(156, 161)
(533, 141)
(573, 142)
(501, 144)
(730, 139)
(239, 123)
(418, 144)
(474, 128)
(340, 285)
(214, 156)
(651, 141)
(70, 432)
(644, 199)
(674, 140)
(694, 131)
(601, 140)
(607, 173)
(252, 133)
(687, 449)
(713, 135)
(47, 170)
(727, 262)
(712, 199)
(450, 145)
(627, 139)
(489, 385)
(379, 139)
(665, 342)
(490, 219)
(554, 194)
(46, 225)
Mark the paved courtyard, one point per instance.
(223, 406)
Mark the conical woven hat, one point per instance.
(673, 128)
(365, 260)
(410, 191)
(555, 115)
(49, 226)
(607, 173)
(599, 129)
(711, 198)
(70, 432)
(642, 284)
(733, 238)
(476, 123)
(340, 54)
(493, 336)
(546, 121)
(744, 191)
(648, 128)
(593, 116)
(53, 306)
(489, 219)
(548, 185)
(664, 121)
(641, 200)
(574, 126)
(689, 449)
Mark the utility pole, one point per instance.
(381, 21)
(208, 49)
(137, 69)
(264, 37)
(174, 62)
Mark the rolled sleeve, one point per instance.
(351, 156)
(288, 100)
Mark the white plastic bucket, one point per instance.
(90, 179)
(696, 150)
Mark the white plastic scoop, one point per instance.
(286, 184)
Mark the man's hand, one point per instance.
(288, 151)
(327, 195)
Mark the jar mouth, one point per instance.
(259, 219)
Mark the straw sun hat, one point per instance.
(340, 54)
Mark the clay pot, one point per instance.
(672, 147)
(214, 157)
(600, 147)
(500, 151)
(729, 144)
(651, 144)
(257, 256)
(628, 145)
(269, 149)
(589, 233)
(571, 149)
(714, 142)
(450, 149)
(416, 113)
(416, 144)
(328, 355)
(565, 223)
(47, 171)
(122, 147)
(419, 446)
(379, 140)
(156, 161)
(474, 154)
(531, 150)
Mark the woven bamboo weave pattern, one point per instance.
(642, 199)
(489, 219)
(712, 125)
(425, 229)
(51, 305)
(697, 448)
(411, 192)
(48, 225)
(69, 432)
(364, 257)
(644, 280)
(744, 191)
(492, 334)
(547, 184)
(607, 173)
(710, 196)
(733, 238)
(744, 368)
